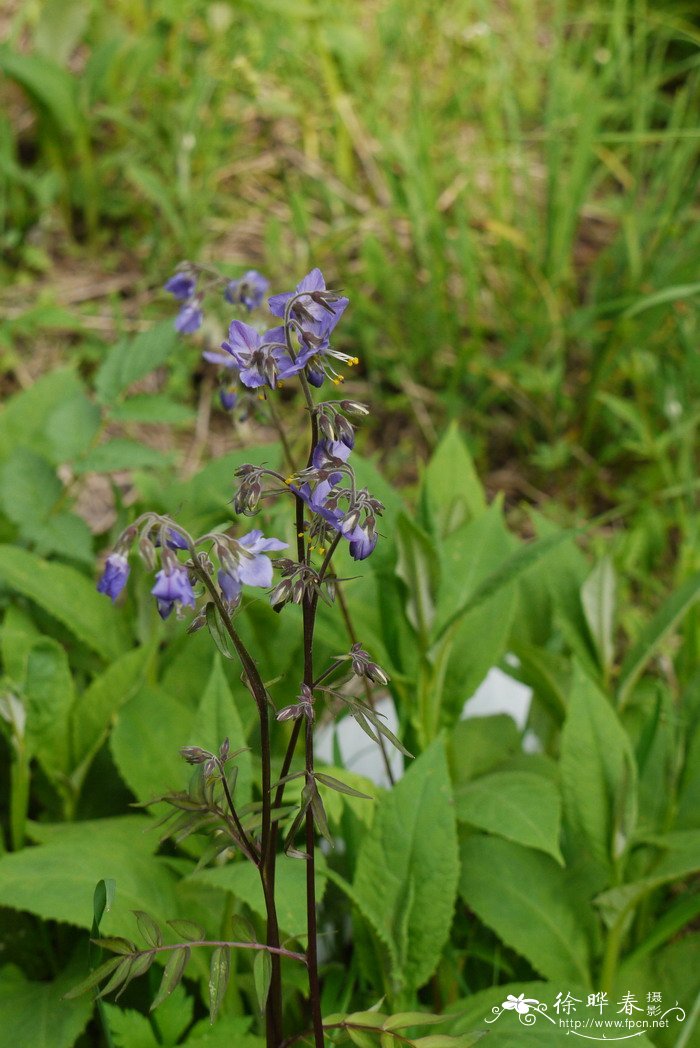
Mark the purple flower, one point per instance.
(172, 587)
(261, 359)
(248, 291)
(228, 398)
(116, 572)
(252, 567)
(329, 314)
(315, 316)
(181, 285)
(189, 319)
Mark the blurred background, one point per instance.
(507, 190)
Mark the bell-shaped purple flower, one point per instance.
(172, 587)
(189, 319)
(116, 572)
(181, 285)
(306, 308)
(251, 567)
(249, 291)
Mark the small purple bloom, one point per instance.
(116, 572)
(248, 291)
(172, 587)
(258, 357)
(230, 585)
(257, 571)
(362, 542)
(228, 398)
(181, 285)
(313, 281)
(189, 319)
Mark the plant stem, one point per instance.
(312, 944)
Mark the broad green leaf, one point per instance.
(71, 428)
(49, 700)
(95, 709)
(663, 623)
(129, 1028)
(120, 454)
(402, 1020)
(36, 1015)
(23, 417)
(598, 601)
(598, 775)
(226, 1032)
(418, 568)
(518, 805)
(153, 408)
(243, 881)
(48, 881)
(129, 361)
(407, 893)
(522, 895)
(60, 27)
(515, 565)
(67, 595)
(29, 487)
(17, 637)
(451, 492)
(262, 975)
(218, 979)
(480, 744)
(146, 739)
(62, 533)
(217, 718)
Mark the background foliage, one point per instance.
(508, 194)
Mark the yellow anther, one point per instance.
(321, 550)
(289, 480)
(261, 396)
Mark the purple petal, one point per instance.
(256, 572)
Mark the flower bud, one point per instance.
(354, 407)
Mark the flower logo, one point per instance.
(520, 1004)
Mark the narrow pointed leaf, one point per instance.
(139, 966)
(187, 929)
(116, 944)
(219, 973)
(149, 928)
(172, 974)
(262, 974)
(218, 633)
(340, 787)
(404, 1019)
(121, 972)
(94, 978)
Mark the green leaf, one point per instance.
(96, 708)
(518, 805)
(217, 718)
(217, 631)
(67, 595)
(517, 564)
(396, 882)
(152, 408)
(17, 637)
(218, 979)
(121, 454)
(23, 417)
(418, 567)
(46, 880)
(29, 487)
(149, 928)
(71, 428)
(340, 787)
(51, 88)
(115, 943)
(522, 895)
(598, 776)
(451, 492)
(440, 1040)
(262, 975)
(480, 744)
(146, 740)
(172, 973)
(93, 980)
(49, 699)
(663, 623)
(598, 602)
(402, 1020)
(187, 930)
(62, 533)
(129, 361)
(102, 900)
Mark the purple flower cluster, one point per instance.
(242, 562)
(349, 513)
